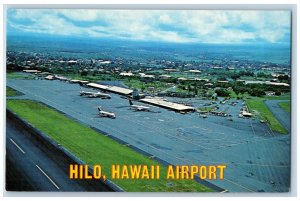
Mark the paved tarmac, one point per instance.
(257, 159)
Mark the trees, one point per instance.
(222, 92)
(256, 92)
(262, 74)
(195, 91)
(246, 73)
(235, 76)
(84, 73)
(283, 78)
(189, 89)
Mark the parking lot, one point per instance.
(257, 159)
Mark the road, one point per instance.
(33, 167)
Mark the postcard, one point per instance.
(148, 100)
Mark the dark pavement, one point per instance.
(31, 166)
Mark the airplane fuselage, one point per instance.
(106, 114)
(95, 95)
(139, 108)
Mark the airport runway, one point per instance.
(34, 167)
(257, 159)
(283, 117)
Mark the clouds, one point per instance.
(204, 26)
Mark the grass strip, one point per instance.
(10, 92)
(286, 106)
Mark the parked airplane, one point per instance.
(203, 116)
(106, 114)
(138, 107)
(95, 94)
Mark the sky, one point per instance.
(178, 26)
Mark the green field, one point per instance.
(207, 109)
(257, 106)
(286, 106)
(95, 148)
(11, 92)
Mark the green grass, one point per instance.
(12, 92)
(232, 94)
(257, 106)
(95, 148)
(19, 75)
(286, 106)
(207, 109)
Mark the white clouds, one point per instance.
(80, 15)
(165, 19)
(169, 36)
(48, 24)
(173, 26)
(272, 36)
(235, 36)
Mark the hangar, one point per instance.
(169, 105)
(114, 89)
(153, 101)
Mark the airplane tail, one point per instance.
(130, 102)
(99, 108)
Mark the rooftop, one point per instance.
(98, 86)
(31, 71)
(167, 104)
(120, 90)
(114, 89)
(126, 74)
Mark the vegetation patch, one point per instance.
(286, 106)
(207, 109)
(10, 92)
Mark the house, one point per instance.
(143, 75)
(128, 74)
(164, 76)
(181, 79)
(194, 71)
(270, 93)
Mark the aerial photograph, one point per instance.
(108, 100)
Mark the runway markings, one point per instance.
(47, 177)
(248, 189)
(17, 146)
